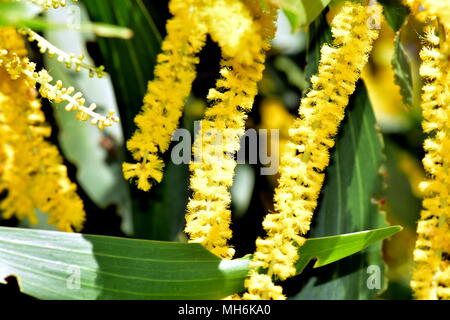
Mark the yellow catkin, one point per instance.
(243, 55)
(31, 169)
(166, 94)
(307, 154)
(431, 276)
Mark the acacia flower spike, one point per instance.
(431, 276)
(208, 215)
(16, 66)
(70, 60)
(32, 169)
(307, 153)
(162, 108)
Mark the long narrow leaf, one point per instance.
(56, 265)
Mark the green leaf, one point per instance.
(395, 13)
(319, 34)
(47, 265)
(348, 204)
(402, 70)
(57, 265)
(403, 206)
(334, 248)
(302, 12)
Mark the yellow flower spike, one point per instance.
(208, 215)
(70, 60)
(230, 24)
(32, 171)
(307, 154)
(17, 66)
(162, 109)
(430, 277)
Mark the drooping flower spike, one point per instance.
(18, 66)
(175, 69)
(31, 169)
(208, 215)
(307, 154)
(431, 276)
(70, 60)
(166, 94)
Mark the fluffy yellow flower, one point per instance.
(208, 214)
(431, 274)
(164, 101)
(261, 287)
(31, 169)
(311, 137)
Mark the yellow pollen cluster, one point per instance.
(208, 215)
(31, 169)
(307, 153)
(431, 277)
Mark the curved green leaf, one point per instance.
(56, 265)
(334, 248)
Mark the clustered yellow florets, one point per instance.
(431, 277)
(208, 215)
(307, 154)
(18, 66)
(166, 94)
(31, 169)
